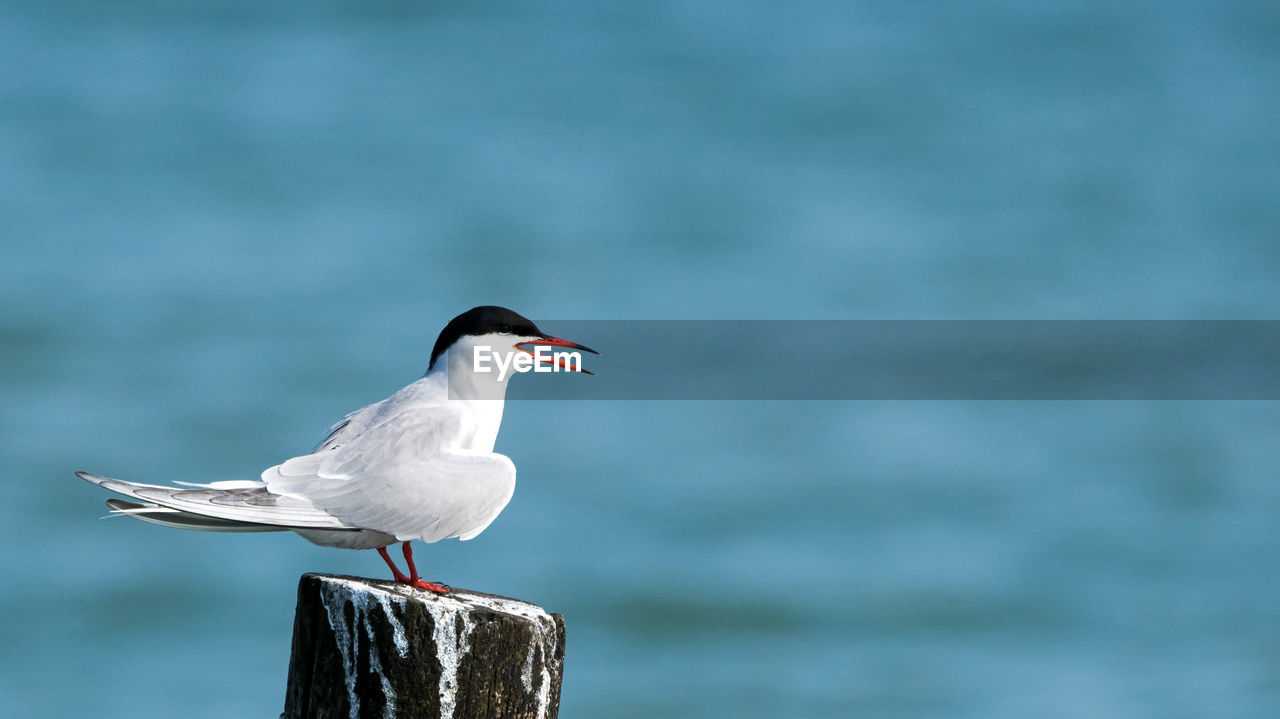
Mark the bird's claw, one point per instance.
(436, 587)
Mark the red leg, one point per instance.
(395, 571)
(414, 579)
(407, 549)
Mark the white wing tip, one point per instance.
(225, 484)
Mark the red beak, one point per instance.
(557, 342)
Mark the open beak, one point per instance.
(557, 342)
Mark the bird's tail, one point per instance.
(240, 506)
(169, 517)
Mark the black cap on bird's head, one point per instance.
(491, 319)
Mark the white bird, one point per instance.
(419, 465)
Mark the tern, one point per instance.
(419, 465)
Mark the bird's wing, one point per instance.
(168, 517)
(400, 475)
(249, 505)
(348, 426)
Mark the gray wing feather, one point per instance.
(388, 472)
(185, 520)
(255, 505)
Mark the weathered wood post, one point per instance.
(367, 648)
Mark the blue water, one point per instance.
(225, 225)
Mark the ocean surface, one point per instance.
(226, 224)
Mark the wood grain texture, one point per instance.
(365, 648)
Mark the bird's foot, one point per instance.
(430, 586)
(412, 578)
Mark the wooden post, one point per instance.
(366, 648)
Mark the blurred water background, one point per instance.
(225, 224)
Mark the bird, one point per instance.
(416, 466)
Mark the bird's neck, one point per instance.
(456, 371)
(451, 379)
